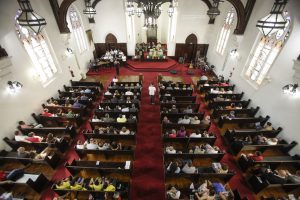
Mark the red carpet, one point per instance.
(151, 66)
(148, 171)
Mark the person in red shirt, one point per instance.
(33, 138)
(46, 113)
(255, 157)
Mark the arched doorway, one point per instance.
(190, 47)
(110, 41)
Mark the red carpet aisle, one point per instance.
(148, 175)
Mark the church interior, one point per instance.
(150, 99)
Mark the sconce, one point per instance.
(68, 52)
(233, 53)
(290, 89)
(14, 86)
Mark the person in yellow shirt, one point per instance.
(96, 184)
(121, 119)
(75, 185)
(63, 185)
(110, 188)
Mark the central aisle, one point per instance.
(148, 173)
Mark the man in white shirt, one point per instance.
(152, 90)
(188, 168)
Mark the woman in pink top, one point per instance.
(181, 132)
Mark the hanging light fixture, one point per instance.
(89, 11)
(274, 21)
(290, 89)
(151, 10)
(214, 11)
(30, 19)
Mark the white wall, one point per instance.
(284, 110)
(192, 18)
(110, 18)
(33, 94)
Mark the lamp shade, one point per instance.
(213, 12)
(89, 10)
(274, 21)
(30, 19)
(171, 10)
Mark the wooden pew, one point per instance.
(72, 101)
(251, 112)
(106, 96)
(192, 156)
(231, 134)
(273, 162)
(131, 126)
(215, 104)
(241, 121)
(120, 90)
(169, 126)
(119, 83)
(53, 109)
(52, 161)
(180, 84)
(129, 150)
(101, 167)
(237, 195)
(56, 121)
(181, 99)
(94, 89)
(204, 89)
(175, 117)
(189, 140)
(210, 96)
(113, 105)
(181, 106)
(114, 114)
(85, 83)
(238, 146)
(109, 136)
(260, 183)
(202, 82)
(61, 145)
(38, 182)
(76, 94)
(176, 92)
(56, 131)
(121, 187)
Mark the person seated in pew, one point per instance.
(121, 100)
(135, 99)
(117, 93)
(215, 91)
(19, 137)
(169, 87)
(196, 134)
(173, 110)
(229, 116)
(96, 119)
(137, 86)
(80, 145)
(87, 91)
(181, 133)
(115, 80)
(268, 127)
(108, 119)
(164, 110)
(211, 150)
(128, 92)
(173, 193)
(220, 168)
(76, 104)
(195, 120)
(203, 78)
(167, 94)
(184, 120)
(124, 131)
(67, 104)
(115, 146)
(176, 87)
(46, 113)
(166, 120)
(77, 184)
(83, 97)
(170, 150)
(114, 99)
(188, 110)
(188, 168)
(230, 107)
(64, 184)
(257, 156)
(125, 108)
(207, 134)
(32, 138)
(91, 144)
(128, 100)
(122, 119)
(70, 114)
(174, 167)
(111, 130)
(103, 145)
(107, 93)
(171, 134)
(133, 108)
(164, 100)
(173, 100)
(23, 153)
(96, 184)
(131, 119)
(293, 178)
(136, 92)
(206, 120)
(117, 108)
(59, 113)
(23, 125)
(274, 177)
(219, 98)
(199, 149)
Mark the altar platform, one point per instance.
(153, 66)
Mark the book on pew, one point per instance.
(127, 164)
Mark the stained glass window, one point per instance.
(225, 32)
(266, 52)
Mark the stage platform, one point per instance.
(163, 66)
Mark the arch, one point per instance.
(111, 39)
(191, 39)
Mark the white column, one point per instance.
(297, 70)
(172, 33)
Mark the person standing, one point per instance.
(117, 67)
(152, 90)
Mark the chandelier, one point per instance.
(214, 11)
(30, 19)
(274, 21)
(151, 10)
(89, 11)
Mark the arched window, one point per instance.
(77, 29)
(266, 52)
(225, 32)
(37, 49)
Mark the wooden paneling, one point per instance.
(190, 50)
